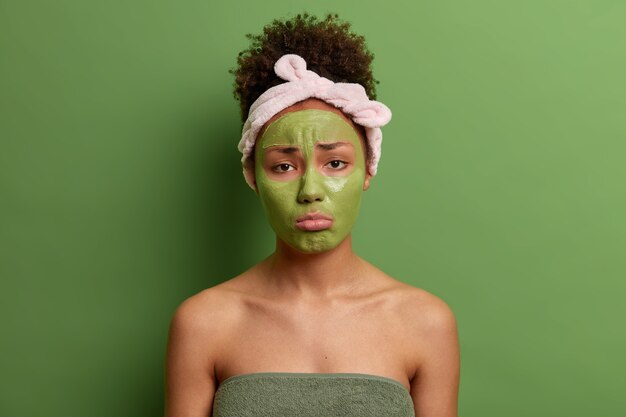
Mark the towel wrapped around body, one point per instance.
(286, 394)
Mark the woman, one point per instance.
(313, 329)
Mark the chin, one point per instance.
(314, 243)
(316, 248)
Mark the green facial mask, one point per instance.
(311, 185)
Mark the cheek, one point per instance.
(276, 197)
(350, 196)
(346, 192)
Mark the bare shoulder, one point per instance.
(427, 311)
(207, 312)
(427, 314)
(197, 329)
(417, 306)
(429, 327)
(421, 313)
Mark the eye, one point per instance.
(283, 168)
(337, 164)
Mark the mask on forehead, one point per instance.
(310, 177)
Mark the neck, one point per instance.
(328, 274)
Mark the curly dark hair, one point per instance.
(328, 46)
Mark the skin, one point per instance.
(309, 309)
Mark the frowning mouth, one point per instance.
(314, 221)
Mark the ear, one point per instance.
(249, 174)
(366, 183)
(253, 185)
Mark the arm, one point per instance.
(190, 379)
(435, 385)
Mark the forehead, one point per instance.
(306, 127)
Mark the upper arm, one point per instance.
(435, 385)
(190, 379)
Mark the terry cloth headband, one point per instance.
(302, 84)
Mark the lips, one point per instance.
(314, 221)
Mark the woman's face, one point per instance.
(310, 162)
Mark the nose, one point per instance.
(311, 188)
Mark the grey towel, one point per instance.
(286, 394)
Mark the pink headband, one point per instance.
(302, 84)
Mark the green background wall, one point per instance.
(501, 190)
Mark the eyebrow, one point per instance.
(294, 149)
(331, 146)
(288, 150)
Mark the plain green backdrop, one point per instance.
(500, 189)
